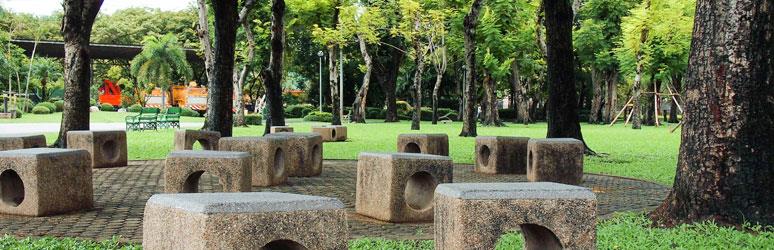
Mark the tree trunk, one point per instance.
(469, 26)
(239, 118)
(611, 91)
(595, 113)
(220, 104)
(272, 76)
(724, 168)
(419, 61)
(43, 89)
(436, 89)
(636, 92)
(388, 73)
(77, 24)
(562, 100)
(239, 106)
(203, 32)
(676, 83)
(650, 120)
(520, 105)
(333, 72)
(359, 106)
(492, 117)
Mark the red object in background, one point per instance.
(110, 93)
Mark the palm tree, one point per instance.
(46, 69)
(162, 58)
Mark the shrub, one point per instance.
(59, 105)
(507, 114)
(253, 119)
(189, 112)
(106, 107)
(298, 110)
(23, 104)
(41, 110)
(317, 116)
(92, 102)
(18, 113)
(51, 107)
(403, 106)
(375, 113)
(136, 108)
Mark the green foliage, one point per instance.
(161, 62)
(50, 106)
(41, 110)
(9, 242)
(106, 107)
(24, 104)
(382, 244)
(135, 108)
(298, 110)
(92, 102)
(189, 113)
(59, 105)
(403, 106)
(253, 119)
(375, 113)
(600, 32)
(317, 116)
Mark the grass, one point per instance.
(8, 242)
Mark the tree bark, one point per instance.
(595, 113)
(272, 75)
(333, 72)
(636, 92)
(492, 116)
(43, 89)
(203, 32)
(562, 99)
(436, 89)
(76, 30)
(359, 106)
(676, 83)
(724, 168)
(419, 61)
(469, 25)
(611, 95)
(239, 118)
(220, 116)
(520, 104)
(387, 74)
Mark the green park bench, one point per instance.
(147, 119)
(170, 118)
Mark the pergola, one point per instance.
(98, 50)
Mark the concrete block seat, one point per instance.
(278, 129)
(45, 181)
(304, 153)
(185, 139)
(106, 148)
(331, 133)
(11, 142)
(550, 215)
(183, 170)
(434, 144)
(501, 155)
(398, 187)
(244, 221)
(555, 160)
(269, 158)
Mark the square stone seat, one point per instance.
(259, 220)
(550, 215)
(434, 144)
(304, 153)
(269, 157)
(106, 148)
(45, 181)
(185, 139)
(555, 160)
(11, 142)
(398, 187)
(278, 129)
(501, 155)
(331, 133)
(183, 170)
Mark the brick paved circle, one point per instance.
(120, 195)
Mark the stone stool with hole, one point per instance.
(434, 144)
(11, 142)
(304, 153)
(183, 170)
(185, 139)
(501, 155)
(269, 159)
(278, 129)
(555, 160)
(107, 148)
(45, 181)
(549, 215)
(331, 133)
(398, 187)
(259, 220)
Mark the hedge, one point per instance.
(317, 116)
(59, 105)
(92, 102)
(41, 110)
(51, 107)
(189, 112)
(106, 107)
(253, 119)
(135, 108)
(298, 110)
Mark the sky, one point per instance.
(46, 7)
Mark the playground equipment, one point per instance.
(110, 93)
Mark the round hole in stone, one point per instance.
(530, 161)
(109, 150)
(283, 245)
(317, 155)
(539, 237)
(201, 144)
(412, 147)
(191, 184)
(11, 188)
(279, 163)
(484, 153)
(333, 133)
(419, 191)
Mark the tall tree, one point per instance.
(47, 70)
(388, 60)
(725, 166)
(239, 82)
(161, 62)
(413, 28)
(203, 32)
(332, 38)
(364, 23)
(77, 24)
(437, 44)
(562, 99)
(219, 106)
(470, 22)
(272, 75)
(636, 87)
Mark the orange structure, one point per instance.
(181, 96)
(110, 93)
